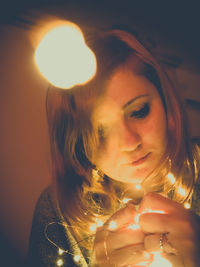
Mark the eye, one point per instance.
(142, 112)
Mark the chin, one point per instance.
(137, 176)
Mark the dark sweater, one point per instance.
(47, 224)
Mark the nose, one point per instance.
(130, 138)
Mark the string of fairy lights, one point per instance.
(158, 259)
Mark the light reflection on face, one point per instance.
(131, 122)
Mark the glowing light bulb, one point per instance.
(93, 227)
(182, 191)
(187, 205)
(95, 174)
(77, 258)
(126, 200)
(63, 57)
(60, 251)
(99, 223)
(171, 178)
(60, 262)
(160, 261)
(134, 226)
(138, 187)
(112, 225)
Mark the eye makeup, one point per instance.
(142, 112)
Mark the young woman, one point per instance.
(122, 136)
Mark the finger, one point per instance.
(122, 217)
(124, 238)
(152, 244)
(129, 255)
(166, 223)
(156, 202)
(115, 240)
(175, 260)
(156, 223)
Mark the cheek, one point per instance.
(155, 128)
(106, 152)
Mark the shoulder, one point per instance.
(47, 232)
(47, 223)
(46, 207)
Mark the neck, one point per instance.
(129, 191)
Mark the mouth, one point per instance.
(140, 160)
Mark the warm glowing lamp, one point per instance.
(63, 57)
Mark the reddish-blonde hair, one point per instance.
(73, 137)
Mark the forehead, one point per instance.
(124, 85)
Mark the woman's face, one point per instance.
(131, 121)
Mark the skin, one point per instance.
(127, 137)
(180, 224)
(124, 138)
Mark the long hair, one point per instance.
(73, 136)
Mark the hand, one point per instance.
(180, 226)
(120, 246)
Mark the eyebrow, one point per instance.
(133, 100)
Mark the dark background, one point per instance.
(176, 22)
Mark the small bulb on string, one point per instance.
(138, 186)
(77, 258)
(93, 227)
(95, 174)
(182, 191)
(126, 200)
(60, 251)
(171, 178)
(99, 222)
(60, 262)
(187, 205)
(112, 225)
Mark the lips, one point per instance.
(140, 160)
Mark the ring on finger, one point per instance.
(166, 246)
(161, 242)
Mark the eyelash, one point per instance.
(141, 113)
